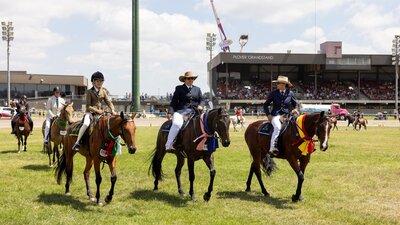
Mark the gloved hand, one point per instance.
(100, 111)
(199, 107)
(169, 116)
(114, 113)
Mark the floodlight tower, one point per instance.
(8, 35)
(395, 62)
(210, 43)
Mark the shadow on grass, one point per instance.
(61, 199)
(9, 151)
(150, 195)
(37, 167)
(248, 196)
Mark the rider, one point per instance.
(22, 102)
(282, 99)
(185, 97)
(94, 97)
(357, 116)
(239, 114)
(53, 107)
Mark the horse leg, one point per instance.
(19, 143)
(48, 150)
(191, 178)
(98, 181)
(249, 178)
(209, 160)
(55, 149)
(300, 178)
(113, 171)
(178, 169)
(24, 141)
(86, 175)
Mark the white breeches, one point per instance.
(276, 123)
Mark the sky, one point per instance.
(79, 37)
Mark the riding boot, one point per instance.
(80, 134)
(12, 126)
(173, 132)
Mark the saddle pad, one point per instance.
(75, 129)
(167, 126)
(266, 128)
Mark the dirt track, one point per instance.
(5, 123)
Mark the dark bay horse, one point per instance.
(22, 128)
(58, 129)
(217, 121)
(350, 119)
(314, 124)
(108, 128)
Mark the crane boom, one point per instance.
(225, 42)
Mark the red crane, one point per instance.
(225, 42)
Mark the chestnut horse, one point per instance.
(361, 122)
(217, 121)
(58, 130)
(333, 120)
(22, 128)
(108, 128)
(314, 124)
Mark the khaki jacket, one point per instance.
(93, 100)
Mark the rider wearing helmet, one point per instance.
(53, 107)
(22, 102)
(94, 97)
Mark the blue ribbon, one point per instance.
(212, 143)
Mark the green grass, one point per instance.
(356, 181)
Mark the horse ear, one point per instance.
(72, 103)
(219, 111)
(133, 115)
(122, 114)
(321, 116)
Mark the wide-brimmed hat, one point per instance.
(283, 79)
(187, 75)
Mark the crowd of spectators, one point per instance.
(242, 90)
(327, 90)
(381, 90)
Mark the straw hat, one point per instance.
(186, 75)
(283, 79)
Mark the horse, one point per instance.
(361, 122)
(350, 119)
(107, 128)
(215, 121)
(22, 128)
(235, 122)
(258, 144)
(58, 129)
(333, 120)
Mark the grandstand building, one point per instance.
(357, 81)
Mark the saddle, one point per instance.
(267, 129)
(94, 119)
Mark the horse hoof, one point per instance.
(194, 198)
(51, 165)
(267, 195)
(182, 194)
(92, 199)
(99, 204)
(108, 199)
(248, 189)
(68, 194)
(297, 199)
(207, 197)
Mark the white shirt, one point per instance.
(51, 106)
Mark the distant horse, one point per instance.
(217, 120)
(350, 119)
(106, 131)
(361, 122)
(333, 120)
(235, 122)
(22, 128)
(58, 130)
(314, 124)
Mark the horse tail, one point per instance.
(366, 121)
(268, 165)
(60, 169)
(156, 158)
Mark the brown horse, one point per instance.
(217, 121)
(333, 120)
(22, 128)
(361, 122)
(106, 131)
(58, 130)
(314, 124)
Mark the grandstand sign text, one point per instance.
(253, 57)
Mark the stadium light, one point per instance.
(210, 43)
(395, 62)
(244, 38)
(8, 35)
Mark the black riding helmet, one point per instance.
(97, 76)
(23, 97)
(56, 89)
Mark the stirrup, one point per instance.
(76, 147)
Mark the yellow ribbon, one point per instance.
(304, 145)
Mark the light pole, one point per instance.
(210, 43)
(8, 35)
(395, 62)
(244, 38)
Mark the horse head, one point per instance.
(22, 113)
(220, 122)
(128, 129)
(67, 112)
(322, 129)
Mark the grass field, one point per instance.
(356, 181)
